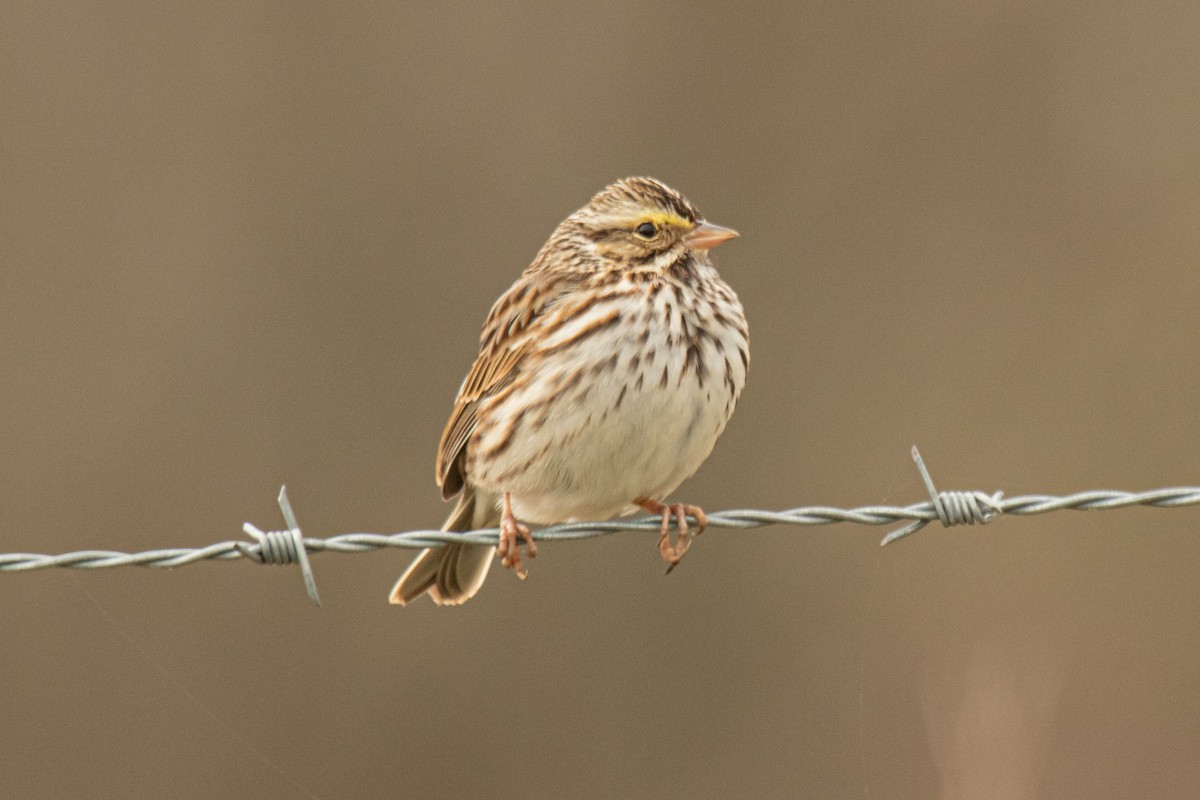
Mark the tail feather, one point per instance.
(452, 573)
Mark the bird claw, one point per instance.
(512, 533)
(673, 553)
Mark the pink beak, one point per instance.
(706, 235)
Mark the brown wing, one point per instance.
(503, 342)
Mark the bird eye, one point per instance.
(646, 230)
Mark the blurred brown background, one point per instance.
(252, 243)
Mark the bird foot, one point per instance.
(512, 533)
(673, 553)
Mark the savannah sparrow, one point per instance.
(605, 375)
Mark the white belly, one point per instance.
(613, 431)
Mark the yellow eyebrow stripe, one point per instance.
(662, 218)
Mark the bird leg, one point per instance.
(511, 534)
(672, 554)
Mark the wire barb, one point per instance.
(281, 547)
(951, 508)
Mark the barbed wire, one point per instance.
(291, 547)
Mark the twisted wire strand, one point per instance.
(291, 547)
(1028, 505)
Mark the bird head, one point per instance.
(641, 223)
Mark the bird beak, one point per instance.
(706, 235)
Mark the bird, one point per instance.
(605, 375)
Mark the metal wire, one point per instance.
(287, 547)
